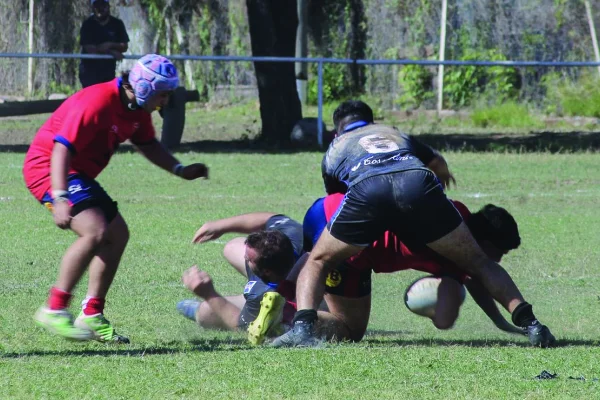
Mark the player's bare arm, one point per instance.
(486, 302)
(439, 166)
(245, 223)
(59, 168)
(159, 156)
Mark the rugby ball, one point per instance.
(421, 296)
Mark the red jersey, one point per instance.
(388, 254)
(91, 123)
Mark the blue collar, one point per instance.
(355, 125)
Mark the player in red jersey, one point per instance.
(66, 155)
(348, 286)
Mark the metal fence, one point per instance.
(320, 62)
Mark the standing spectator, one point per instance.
(101, 33)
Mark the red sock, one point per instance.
(58, 299)
(93, 305)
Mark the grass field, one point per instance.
(554, 197)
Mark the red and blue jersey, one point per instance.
(92, 124)
(387, 254)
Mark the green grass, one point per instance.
(242, 121)
(555, 199)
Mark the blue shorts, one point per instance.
(86, 193)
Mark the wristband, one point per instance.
(177, 169)
(60, 194)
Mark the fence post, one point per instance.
(440, 99)
(590, 17)
(30, 73)
(320, 103)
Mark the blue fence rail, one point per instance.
(320, 61)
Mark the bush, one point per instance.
(416, 82)
(507, 115)
(463, 84)
(565, 97)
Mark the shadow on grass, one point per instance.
(553, 142)
(474, 343)
(111, 350)
(230, 345)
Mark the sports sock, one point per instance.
(305, 316)
(93, 305)
(523, 315)
(58, 299)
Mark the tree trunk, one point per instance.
(273, 25)
(182, 23)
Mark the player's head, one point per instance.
(153, 78)
(269, 254)
(101, 9)
(351, 111)
(495, 230)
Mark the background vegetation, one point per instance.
(545, 30)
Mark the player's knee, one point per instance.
(96, 236)
(232, 249)
(444, 322)
(356, 335)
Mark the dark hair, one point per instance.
(496, 225)
(351, 111)
(275, 251)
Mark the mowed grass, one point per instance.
(555, 199)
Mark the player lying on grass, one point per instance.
(394, 183)
(348, 286)
(350, 283)
(65, 157)
(265, 257)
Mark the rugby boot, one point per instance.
(269, 318)
(60, 322)
(539, 335)
(100, 327)
(302, 334)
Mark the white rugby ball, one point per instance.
(421, 296)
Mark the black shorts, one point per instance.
(412, 204)
(346, 281)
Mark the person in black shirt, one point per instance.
(393, 182)
(101, 33)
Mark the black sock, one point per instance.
(523, 315)
(306, 316)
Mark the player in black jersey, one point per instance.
(393, 182)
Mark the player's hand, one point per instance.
(103, 47)
(199, 282)
(207, 232)
(439, 166)
(61, 210)
(116, 54)
(194, 171)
